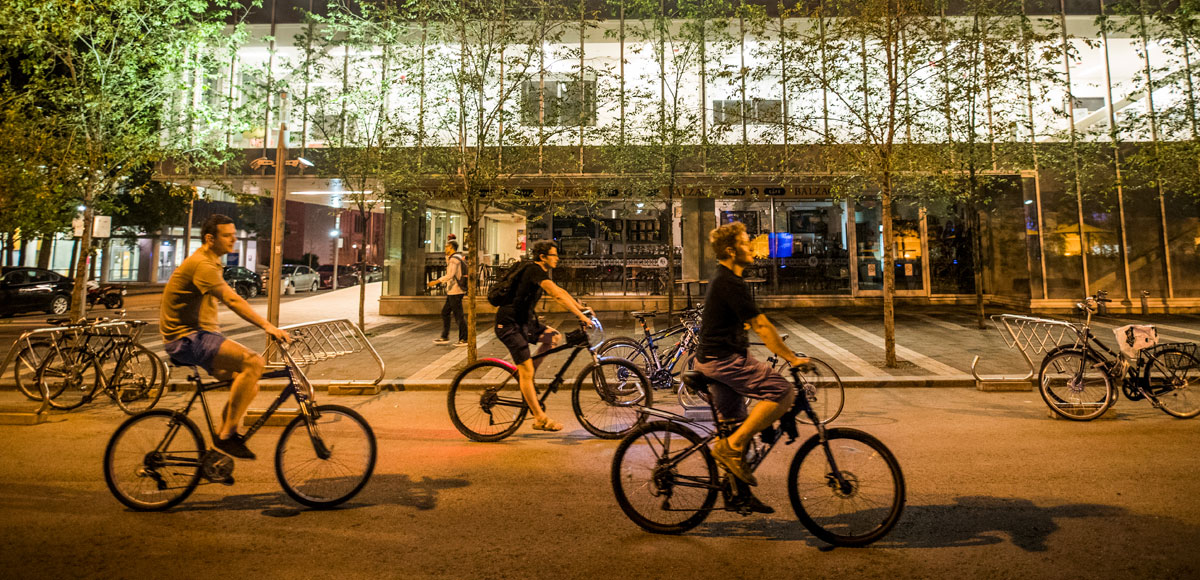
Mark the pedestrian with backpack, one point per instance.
(456, 288)
(517, 324)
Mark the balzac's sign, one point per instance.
(800, 190)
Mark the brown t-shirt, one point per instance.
(189, 302)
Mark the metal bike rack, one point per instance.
(1031, 336)
(53, 333)
(314, 342)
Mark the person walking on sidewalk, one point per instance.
(517, 324)
(188, 323)
(723, 354)
(456, 289)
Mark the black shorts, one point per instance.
(518, 338)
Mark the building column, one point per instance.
(155, 249)
(105, 259)
(411, 281)
(699, 217)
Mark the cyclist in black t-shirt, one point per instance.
(517, 325)
(723, 352)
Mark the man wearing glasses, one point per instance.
(517, 325)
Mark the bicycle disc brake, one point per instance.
(217, 467)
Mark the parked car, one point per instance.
(25, 289)
(244, 281)
(346, 276)
(373, 273)
(296, 278)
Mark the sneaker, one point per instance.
(441, 341)
(733, 461)
(461, 343)
(235, 446)
(756, 505)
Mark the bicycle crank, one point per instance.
(217, 467)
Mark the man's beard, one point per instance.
(743, 259)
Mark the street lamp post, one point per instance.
(336, 234)
(277, 212)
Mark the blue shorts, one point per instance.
(197, 349)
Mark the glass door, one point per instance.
(908, 249)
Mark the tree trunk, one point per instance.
(45, 247)
(977, 259)
(889, 276)
(472, 266)
(79, 293)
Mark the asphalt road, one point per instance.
(996, 489)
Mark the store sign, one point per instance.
(908, 269)
(101, 227)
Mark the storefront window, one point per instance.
(1060, 220)
(806, 248)
(1183, 232)
(125, 256)
(906, 246)
(951, 259)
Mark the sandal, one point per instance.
(547, 424)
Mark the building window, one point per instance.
(563, 107)
(758, 112)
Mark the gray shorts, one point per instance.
(738, 377)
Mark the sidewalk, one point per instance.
(935, 346)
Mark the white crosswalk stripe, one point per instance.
(906, 353)
(834, 351)
(447, 361)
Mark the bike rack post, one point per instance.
(1029, 335)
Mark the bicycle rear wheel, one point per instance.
(1171, 377)
(607, 395)
(1075, 385)
(824, 390)
(153, 460)
(25, 368)
(328, 462)
(664, 477)
(137, 385)
(68, 377)
(860, 506)
(485, 401)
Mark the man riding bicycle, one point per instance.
(188, 323)
(723, 353)
(517, 324)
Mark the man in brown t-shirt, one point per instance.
(188, 323)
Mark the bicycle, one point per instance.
(660, 368)
(1078, 381)
(485, 401)
(105, 357)
(820, 383)
(324, 457)
(844, 485)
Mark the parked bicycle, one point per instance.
(485, 401)
(820, 383)
(324, 457)
(95, 355)
(844, 485)
(1079, 381)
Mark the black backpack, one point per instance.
(461, 279)
(504, 291)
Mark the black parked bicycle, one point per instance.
(99, 356)
(324, 457)
(485, 399)
(844, 485)
(1079, 381)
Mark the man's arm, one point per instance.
(451, 272)
(770, 337)
(566, 300)
(239, 305)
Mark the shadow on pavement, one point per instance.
(389, 488)
(970, 521)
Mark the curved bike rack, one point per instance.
(1029, 335)
(314, 342)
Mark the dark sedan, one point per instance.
(25, 289)
(244, 281)
(346, 276)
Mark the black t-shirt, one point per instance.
(728, 305)
(529, 292)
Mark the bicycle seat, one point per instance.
(639, 314)
(696, 381)
(175, 363)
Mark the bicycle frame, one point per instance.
(289, 391)
(556, 382)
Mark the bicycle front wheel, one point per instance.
(328, 461)
(664, 478)
(25, 368)
(855, 504)
(137, 384)
(485, 401)
(68, 377)
(1075, 385)
(607, 395)
(153, 461)
(824, 390)
(1171, 377)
